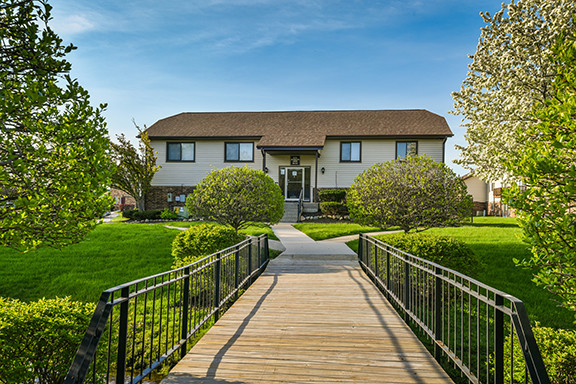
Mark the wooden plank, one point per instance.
(309, 322)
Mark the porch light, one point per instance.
(322, 170)
(265, 169)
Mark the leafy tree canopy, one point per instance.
(54, 168)
(546, 198)
(509, 74)
(135, 168)
(235, 196)
(413, 193)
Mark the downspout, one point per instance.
(264, 161)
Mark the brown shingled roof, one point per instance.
(301, 128)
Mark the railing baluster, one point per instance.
(498, 340)
(185, 309)
(122, 336)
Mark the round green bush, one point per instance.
(38, 340)
(202, 240)
(558, 350)
(444, 250)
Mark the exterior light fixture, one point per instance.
(322, 170)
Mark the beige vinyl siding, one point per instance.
(209, 155)
(477, 188)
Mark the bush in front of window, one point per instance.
(337, 195)
(412, 193)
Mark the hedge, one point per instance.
(202, 240)
(444, 250)
(134, 214)
(332, 195)
(38, 340)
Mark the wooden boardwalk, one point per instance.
(309, 322)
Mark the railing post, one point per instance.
(437, 313)
(388, 268)
(250, 266)
(217, 290)
(122, 335)
(360, 246)
(185, 308)
(406, 288)
(266, 250)
(376, 268)
(236, 271)
(498, 340)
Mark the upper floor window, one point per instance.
(406, 148)
(239, 152)
(350, 151)
(181, 152)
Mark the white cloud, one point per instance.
(74, 24)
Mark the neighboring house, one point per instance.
(122, 200)
(302, 151)
(487, 196)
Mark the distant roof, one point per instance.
(301, 128)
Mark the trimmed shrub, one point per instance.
(134, 214)
(332, 195)
(558, 349)
(202, 240)
(333, 208)
(444, 250)
(38, 340)
(168, 214)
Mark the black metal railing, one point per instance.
(470, 326)
(300, 204)
(139, 326)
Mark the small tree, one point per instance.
(54, 167)
(413, 193)
(234, 196)
(546, 204)
(510, 73)
(135, 167)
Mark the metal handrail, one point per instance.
(300, 204)
(138, 326)
(466, 321)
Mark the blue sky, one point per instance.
(149, 59)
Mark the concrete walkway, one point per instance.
(299, 246)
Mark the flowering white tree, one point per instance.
(510, 73)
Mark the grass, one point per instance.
(497, 242)
(253, 229)
(112, 254)
(322, 231)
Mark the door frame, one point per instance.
(285, 176)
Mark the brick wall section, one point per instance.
(157, 197)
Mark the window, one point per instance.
(181, 152)
(406, 148)
(350, 151)
(239, 152)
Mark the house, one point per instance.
(301, 150)
(487, 196)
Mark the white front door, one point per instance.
(293, 182)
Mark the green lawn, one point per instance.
(322, 231)
(112, 254)
(497, 242)
(254, 229)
